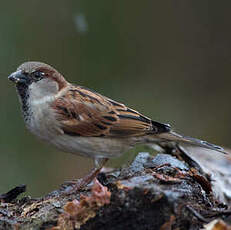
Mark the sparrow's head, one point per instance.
(39, 78)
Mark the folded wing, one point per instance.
(83, 112)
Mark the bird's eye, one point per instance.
(38, 75)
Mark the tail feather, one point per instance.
(172, 136)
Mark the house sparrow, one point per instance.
(80, 121)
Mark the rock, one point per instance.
(160, 192)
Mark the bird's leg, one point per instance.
(99, 163)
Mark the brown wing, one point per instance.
(85, 113)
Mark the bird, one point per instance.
(81, 121)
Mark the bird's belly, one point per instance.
(42, 123)
(94, 147)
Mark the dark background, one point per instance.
(168, 59)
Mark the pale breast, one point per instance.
(42, 122)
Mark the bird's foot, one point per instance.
(74, 186)
(77, 185)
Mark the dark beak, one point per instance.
(18, 77)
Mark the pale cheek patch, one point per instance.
(43, 91)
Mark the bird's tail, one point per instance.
(175, 137)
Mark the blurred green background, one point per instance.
(168, 59)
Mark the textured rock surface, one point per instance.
(158, 192)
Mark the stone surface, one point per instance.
(160, 192)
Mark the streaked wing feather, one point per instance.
(85, 113)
